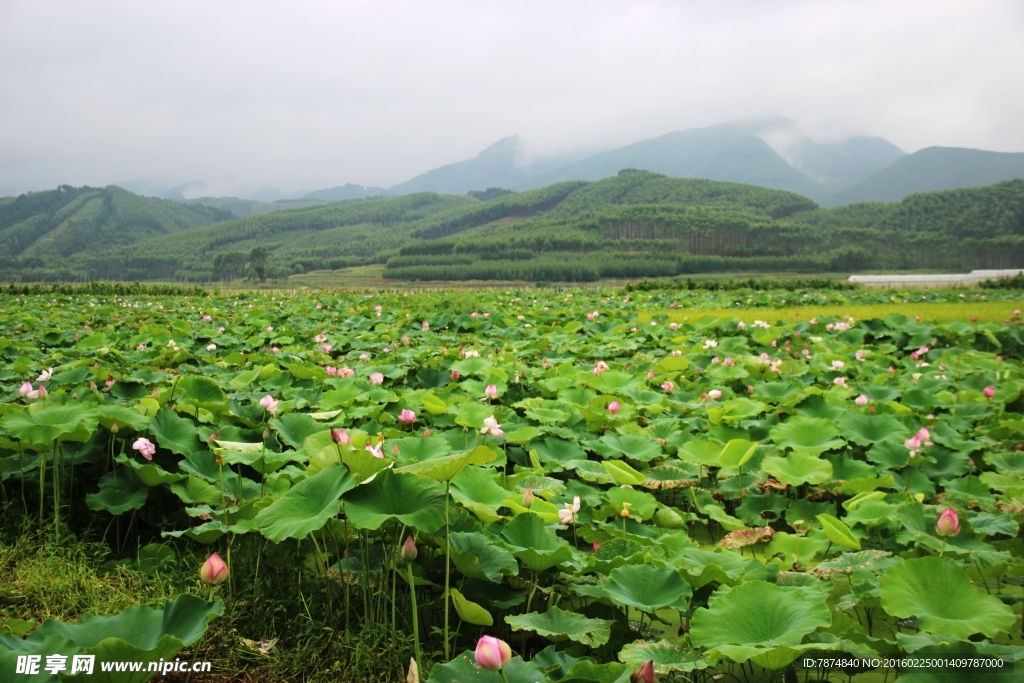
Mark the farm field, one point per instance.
(620, 484)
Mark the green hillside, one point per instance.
(727, 153)
(40, 228)
(636, 224)
(242, 208)
(933, 169)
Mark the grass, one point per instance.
(986, 311)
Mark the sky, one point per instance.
(263, 99)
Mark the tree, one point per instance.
(258, 261)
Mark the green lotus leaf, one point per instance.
(795, 548)
(245, 378)
(522, 435)
(798, 467)
(121, 490)
(478, 558)
(809, 434)
(623, 473)
(940, 594)
(756, 618)
(419, 449)
(446, 467)
(472, 414)
(587, 671)
(469, 611)
(838, 532)
(537, 546)
(123, 416)
(40, 424)
(175, 433)
(554, 450)
(477, 489)
(667, 657)
(294, 428)
(463, 669)
(642, 504)
(202, 390)
(140, 634)
(305, 507)
(195, 490)
(736, 453)
(633, 446)
(647, 587)
(865, 430)
(701, 452)
(559, 625)
(149, 473)
(412, 500)
(725, 567)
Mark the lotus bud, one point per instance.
(409, 551)
(750, 388)
(114, 428)
(597, 546)
(892, 370)
(406, 416)
(715, 394)
(989, 391)
(650, 375)
(948, 524)
(455, 375)
(426, 433)
(528, 497)
(340, 437)
(214, 571)
(614, 407)
(394, 449)
(491, 391)
(492, 654)
(645, 674)
(25, 389)
(266, 433)
(42, 391)
(625, 509)
(861, 400)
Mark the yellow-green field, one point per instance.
(986, 311)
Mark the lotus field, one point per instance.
(524, 486)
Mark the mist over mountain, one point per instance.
(837, 165)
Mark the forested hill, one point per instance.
(42, 227)
(636, 224)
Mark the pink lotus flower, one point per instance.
(426, 433)
(409, 551)
(614, 407)
(214, 571)
(948, 524)
(838, 365)
(207, 319)
(989, 391)
(364, 356)
(220, 329)
(426, 326)
(715, 394)
(140, 347)
(455, 375)
(491, 391)
(377, 451)
(269, 404)
(492, 427)
(923, 435)
(274, 349)
(668, 386)
(270, 328)
(331, 370)
(145, 447)
(320, 338)
(406, 416)
(567, 515)
(340, 437)
(346, 372)
(109, 383)
(492, 654)
(326, 348)
(861, 400)
(859, 355)
(528, 497)
(645, 674)
(376, 378)
(211, 347)
(26, 388)
(728, 362)
(600, 367)
(839, 381)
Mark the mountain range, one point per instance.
(855, 169)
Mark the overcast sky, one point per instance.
(251, 97)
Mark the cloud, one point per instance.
(251, 97)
